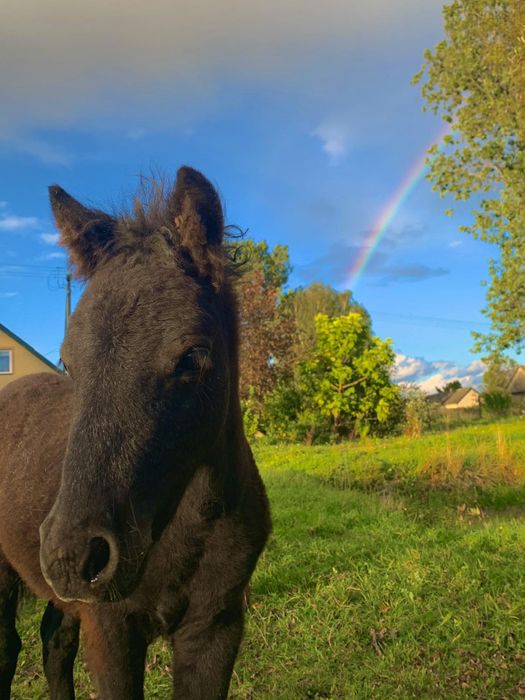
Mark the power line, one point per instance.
(55, 276)
(19, 266)
(414, 319)
(32, 271)
(25, 275)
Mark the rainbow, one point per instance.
(400, 196)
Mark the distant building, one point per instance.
(516, 385)
(437, 398)
(17, 358)
(466, 397)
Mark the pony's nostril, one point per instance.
(98, 556)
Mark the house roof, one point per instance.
(437, 398)
(453, 397)
(28, 347)
(458, 395)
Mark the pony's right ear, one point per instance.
(88, 234)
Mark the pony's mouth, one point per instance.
(112, 591)
(64, 595)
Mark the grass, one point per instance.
(481, 457)
(395, 570)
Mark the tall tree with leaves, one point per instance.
(307, 302)
(266, 337)
(498, 372)
(252, 256)
(449, 387)
(347, 378)
(475, 78)
(266, 333)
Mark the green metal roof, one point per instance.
(28, 347)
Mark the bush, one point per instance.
(281, 409)
(286, 418)
(497, 403)
(250, 415)
(419, 413)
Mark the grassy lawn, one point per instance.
(395, 570)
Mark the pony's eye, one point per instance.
(193, 364)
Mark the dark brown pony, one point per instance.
(129, 497)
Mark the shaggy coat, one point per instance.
(129, 497)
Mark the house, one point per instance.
(437, 398)
(466, 397)
(516, 385)
(17, 358)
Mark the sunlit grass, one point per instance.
(481, 457)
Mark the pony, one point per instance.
(129, 496)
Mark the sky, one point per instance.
(302, 114)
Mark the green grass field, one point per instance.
(395, 570)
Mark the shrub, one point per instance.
(419, 413)
(498, 403)
(250, 415)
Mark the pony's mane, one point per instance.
(150, 208)
(150, 220)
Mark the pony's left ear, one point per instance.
(88, 234)
(199, 220)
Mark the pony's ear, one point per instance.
(88, 234)
(197, 212)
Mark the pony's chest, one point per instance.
(166, 586)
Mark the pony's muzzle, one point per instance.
(78, 565)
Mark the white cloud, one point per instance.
(8, 295)
(431, 374)
(334, 140)
(408, 367)
(50, 238)
(17, 223)
(455, 244)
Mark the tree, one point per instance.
(251, 256)
(317, 298)
(347, 377)
(449, 387)
(475, 78)
(499, 370)
(266, 333)
(266, 337)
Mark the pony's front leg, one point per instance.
(204, 650)
(115, 652)
(9, 640)
(59, 633)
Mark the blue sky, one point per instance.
(301, 113)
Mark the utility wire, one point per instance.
(413, 319)
(55, 275)
(18, 266)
